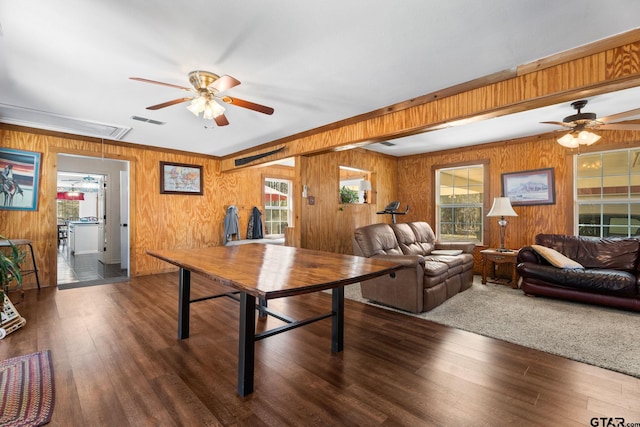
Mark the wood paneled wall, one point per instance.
(163, 221)
(416, 182)
(328, 225)
(157, 220)
(561, 78)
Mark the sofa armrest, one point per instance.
(528, 254)
(406, 261)
(465, 247)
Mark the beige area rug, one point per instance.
(599, 336)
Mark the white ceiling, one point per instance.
(313, 62)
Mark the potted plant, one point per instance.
(348, 195)
(10, 268)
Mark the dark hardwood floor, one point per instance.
(117, 362)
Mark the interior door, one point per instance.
(124, 220)
(101, 215)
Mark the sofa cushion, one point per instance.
(612, 282)
(555, 258)
(612, 253)
(435, 268)
(425, 237)
(407, 240)
(376, 239)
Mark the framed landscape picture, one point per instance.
(178, 178)
(534, 187)
(20, 173)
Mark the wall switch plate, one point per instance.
(311, 200)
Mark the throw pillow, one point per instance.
(555, 258)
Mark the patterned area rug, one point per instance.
(26, 387)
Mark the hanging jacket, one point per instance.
(254, 230)
(231, 224)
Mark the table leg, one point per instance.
(262, 303)
(484, 270)
(246, 346)
(183, 303)
(337, 319)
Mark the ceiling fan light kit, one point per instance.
(206, 105)
(207, 86)
(581, 125)
(574, 139)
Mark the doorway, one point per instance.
(90, 204)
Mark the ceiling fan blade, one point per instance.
(618, 116)
(221, 120)
(567, 125)
(250, 105)
(618, 126)
(223, 83)
(169, 103)
(140, 79)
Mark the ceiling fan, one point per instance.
(581, 124)
(207, 88)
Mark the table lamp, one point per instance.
(365, 185)
(502, 208)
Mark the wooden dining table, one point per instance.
(256, 273)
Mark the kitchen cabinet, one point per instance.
(83, 238)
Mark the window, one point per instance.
(459, 203)
(607, 195)
(277, 205)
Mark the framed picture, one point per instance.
(534, 187)
(19, 179)
(178, 178)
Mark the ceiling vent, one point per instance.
(146, 120)
(387, 143)
(42, 120)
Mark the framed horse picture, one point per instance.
(19, 176)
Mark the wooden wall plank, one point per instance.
(157, 220)
(541, 86)
(161, 221)
(415, 182)
(327, 225)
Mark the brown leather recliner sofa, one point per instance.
(432, 271)
(610, 273)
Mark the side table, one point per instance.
(495, 257)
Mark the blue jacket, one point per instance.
(231, 224)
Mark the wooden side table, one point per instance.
(494, 257)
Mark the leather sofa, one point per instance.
(432, 271)
(609, 271)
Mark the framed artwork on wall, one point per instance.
(179, 178)
(533, 187)
(20, 173)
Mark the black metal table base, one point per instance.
(247, 332)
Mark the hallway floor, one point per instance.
(83, 268)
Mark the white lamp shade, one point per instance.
(197, 105)
(365, 185)
(212, 110)
(573, 140)
(501, 207)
